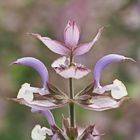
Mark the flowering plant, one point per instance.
(94, 96)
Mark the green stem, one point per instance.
(71, 94)
(71, 105)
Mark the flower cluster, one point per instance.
(94, 96)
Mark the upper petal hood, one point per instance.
(37, 65)
(71, 34)
(104, 62)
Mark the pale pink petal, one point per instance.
(62, 61)
(39, 104)
(73, 72)
(71, 34)
(62, 67)
(84, 48)
(101, 103)
(96, 134)
(53, 45)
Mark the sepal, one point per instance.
(54, 99)
(71, 132)
(90, 133)
(98, 102)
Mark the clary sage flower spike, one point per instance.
(95, 96)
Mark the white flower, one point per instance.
(39, 133)
(118, 89)
(26, 92)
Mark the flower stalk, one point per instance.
(71, 94)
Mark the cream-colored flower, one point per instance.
(38, 133)
(26, 92)
(119, 90)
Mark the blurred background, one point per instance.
(49, 18)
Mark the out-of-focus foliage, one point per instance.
(49, 17)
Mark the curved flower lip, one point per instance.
(104, 62)
(62, 67)
(37, 65)
(47, 114)
(71, 38)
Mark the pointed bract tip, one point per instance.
(34, 34)
(71, 22)
(102, 28)
(13, 63)
(130, 59)
(14, 99)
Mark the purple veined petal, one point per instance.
(47, 114)
(102, 103)
(104, 62)
(84, 48)
(53, 45)
(62, 67)
(37, 65)
(71, 34)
